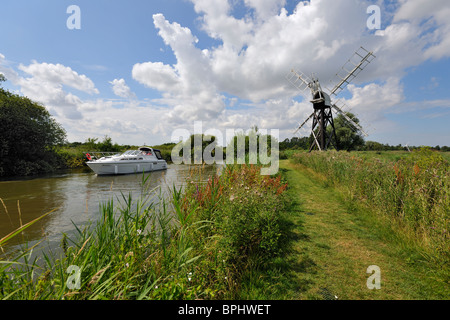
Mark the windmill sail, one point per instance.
(360, 59)
(299, 80)
(304, 122)
(353, 123)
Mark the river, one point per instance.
(76, 197)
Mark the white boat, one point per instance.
(132, 161)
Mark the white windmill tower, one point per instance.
(321, 100)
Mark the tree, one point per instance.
(28, 136)
(107, 145)
(348, 137)
(296, 143)
(374, 146)
(251, 145)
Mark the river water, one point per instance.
(76, 197)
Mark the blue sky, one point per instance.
(138, 70)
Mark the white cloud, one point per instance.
(156, 75)
(132, 124)
(48, 83)
(265, 8)
(58, 75)
(433, 22)
(188, 86)
(121, 89)
(375, 97)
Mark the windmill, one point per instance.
(321, 99)
(407, 147)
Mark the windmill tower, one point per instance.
(321, 100)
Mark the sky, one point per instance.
(137, 71)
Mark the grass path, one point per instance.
(335, 243)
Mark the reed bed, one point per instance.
(412, 192)
(197, 242)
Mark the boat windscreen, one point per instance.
(158, 154)
(130, 153)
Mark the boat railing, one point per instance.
(95, 155)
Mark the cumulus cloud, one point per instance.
(58, 75)
(131, 124)
(121, 89)
(188, 86)
(156, 75)
(46, 83)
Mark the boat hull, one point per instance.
(125, 167)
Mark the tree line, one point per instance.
(303, 143)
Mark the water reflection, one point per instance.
(77, 197)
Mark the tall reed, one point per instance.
(195, 244)
(413, 191)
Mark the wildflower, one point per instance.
(232, 197)
(139, 231)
